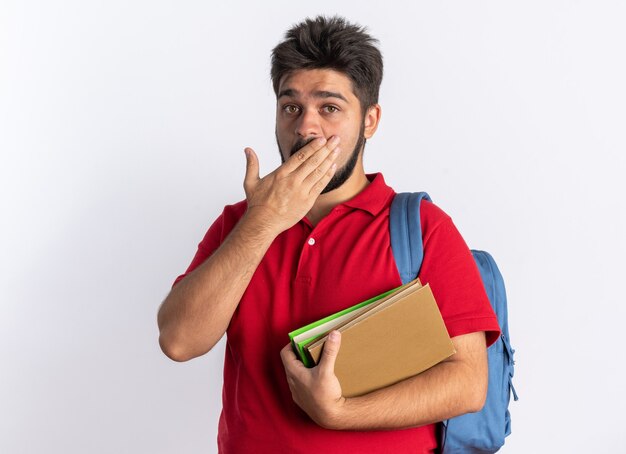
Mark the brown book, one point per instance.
(398, 337)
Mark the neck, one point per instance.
(326, 202)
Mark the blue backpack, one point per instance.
(484, 431)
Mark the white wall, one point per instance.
(122, 128)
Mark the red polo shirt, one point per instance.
(308, 273)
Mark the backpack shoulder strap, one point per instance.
(485, 430)
(406, 233)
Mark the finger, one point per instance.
(330, 352)
(288, 356)
(304, 153)
(319, 186)
(311, 164)
(287, 353)
(252, 170)
(291, 363)
(321, 171)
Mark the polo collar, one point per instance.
(375, 197)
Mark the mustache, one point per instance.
(299, 144)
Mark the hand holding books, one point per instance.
(384, 340)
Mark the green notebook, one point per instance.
(320, 328)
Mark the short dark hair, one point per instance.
(331, 43)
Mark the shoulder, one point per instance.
(432, 217)
(432, 212)
(222, 226)
(234, 212)
(215, 235)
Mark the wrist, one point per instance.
(339, 417)
(263, 221)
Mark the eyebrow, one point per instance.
(317, 94)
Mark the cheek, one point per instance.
(349, 138)
(284, 149)
(338, 127)
(282, 137)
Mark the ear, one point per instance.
(371, 120)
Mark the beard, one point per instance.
(342, 174)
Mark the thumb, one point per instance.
(330, 352)
(252, 170)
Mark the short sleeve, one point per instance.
(215, 236)
(449, 268)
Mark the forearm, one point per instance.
(196, 313)
(446, 390)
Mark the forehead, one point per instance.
(306, 82)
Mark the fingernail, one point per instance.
(334, 140)
(336, 151)
(333, 336)
(321, 140)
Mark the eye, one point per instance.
(291, 109)
(331, 109)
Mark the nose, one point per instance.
(308, 124)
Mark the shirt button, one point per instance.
(311, 241)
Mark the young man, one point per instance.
(311, 238)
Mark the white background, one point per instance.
(122, 128)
